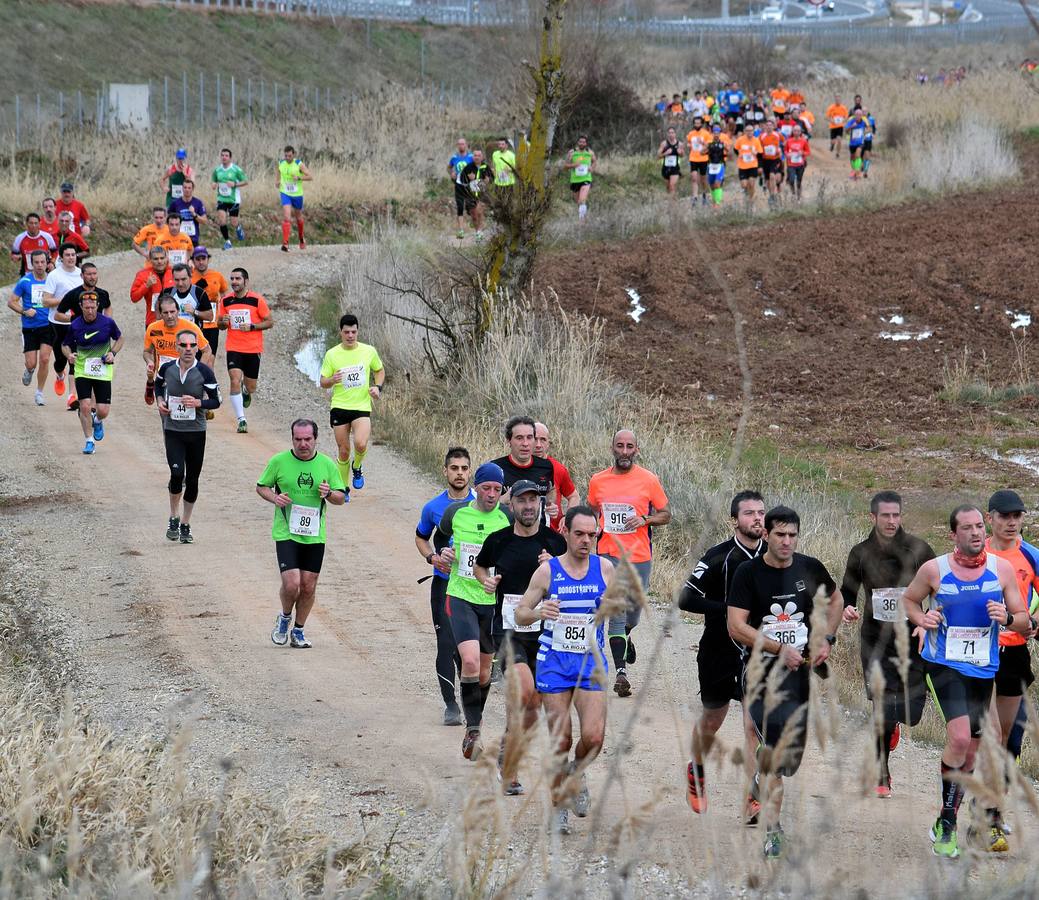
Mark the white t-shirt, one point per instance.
(59, 283)
(699, 108)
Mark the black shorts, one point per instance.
(794, 174)
(461, 195)
(232, 209)
(720, 674)
(524, 649)
(34, 338)
(102, 390)
(1015, 671)
(893, 701)
(836, 133)
(700, 168)
(249, 363)
(337, 417)
(575, 186)
(958, 695)
(867, 145)
(295, 555)
(213, 336)
(56, 334)
(670, 171)
(790, 713)
(472, 622)
(772, 166)
(747, 174)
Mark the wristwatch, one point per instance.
(429, 558)
(831, 639)
(1010, 619)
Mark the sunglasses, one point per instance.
(186, 346)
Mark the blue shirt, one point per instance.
(188, 212)
(432, 513)
(25, 290)
(853, 126)
(733, 100)
(458, 163)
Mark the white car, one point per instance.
(772, 14)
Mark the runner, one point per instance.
(216, 286)
(455, 165)
(192, 212)
(503, 164)
(733, 101)
(520, 463)
(356, 376)
(883, 564)
(697, 141)
(291, 173)
(457, 469)
(245, 315)
(150, 282)
(566, 493)
(670, 153)
(717, 153)
(71, 305)
(228, 181)
(31, 239)
(566, 592)
(193, 301)
(513, 555)
(175, 242)
(67, 202)
(160, 338)
(49, 219)
(856, 130)
(779, 97)
(581, 162)
(771, 601)
(476, 175)
(469, 609)
(151, 234)
(37, 335)
(719, 663)
(772, 150)
(836, 115)
(797, 152)
(299, 482)
(971, 593)
(66, 234)
(747, 150)
(91, 344)
(867, 143)
(629, 501)
(184, 387)
(176, 174)
(60, 280)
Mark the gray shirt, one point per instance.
(199, 382)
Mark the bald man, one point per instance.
(629, 501)
(566, 493)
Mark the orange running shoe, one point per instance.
(72, 403)
(697, 794)
(59, 384)
(751, 810)
(895, 737)
(884, 788)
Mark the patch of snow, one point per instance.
(1019, 319)
(769, 313)
(637, 309)
(905, 335)
(309, 356)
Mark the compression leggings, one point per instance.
(185, 451)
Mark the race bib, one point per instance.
(748, 157)
(36, 297)
(176, 191)
(240, 319)
(94, 367)
(857, 133)
(572, 632)
(353, 376)
(290, 187)
(670, 161)
(714, 168)
(614, 516)
(188, 227)
(887, 604)
(698, 145)
(467, 554)
(789, 634)
(838, 121)
(581, 170)
(508, 615)
(179, 412)
(759, 116)
(968, 645)
(787, 130)
(796, 159)
(177, 257)
(304, 520)
(224, 190)
(771, 150)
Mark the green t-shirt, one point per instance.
(357, 365)
(304, 520)
(470, 527)
(581, 173)
(223, 179)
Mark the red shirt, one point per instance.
(797, 151)
(72, 238)
(139, 290)
(564, 488)
(79, 212)
(24, 245)
(50, 227)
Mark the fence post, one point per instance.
(61, 113)
(233, 115)
(185, 109)
(291, 99)
(17, 121)
(263, 99)
(217, 109)
(249, 98)
(79, 103)
(166, 101)
(275, 98)
(422, 61)
(201, 98)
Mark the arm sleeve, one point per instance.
(211, 400)
(447, 520)
(328, 370)
(376, 362)
(335, 477)
(699, 593)
(488, 552)
(824, 578)
(426, 526)
(566, 485)
(657, 496)
(269, 478)
(852, 580)
(160, 382)
(741, 594)
(137, 290)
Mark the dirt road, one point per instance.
(155, 632)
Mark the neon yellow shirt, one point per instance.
(357, 365)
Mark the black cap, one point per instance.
(524, 487)
(1005, 502)
(67, 186)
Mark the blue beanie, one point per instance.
(489, 471)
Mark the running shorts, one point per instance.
(700, 168)
(958, 695)
(559, 672)
(294, 202)
(719, 671)
(747, 174)
(213, 336)
(471, 622)
(102, 390)
(1015, 671)
(461, 193)
(836, 133)
(716, 180)
(294, 555)
(34, 338)
(791, 712)
(623, 623)
(772, 166)
(249, 363)
(867, 145)
(338, 417)
(576, 186)
(232, 209)
(470, 203)
(669, 171)
(523, 647)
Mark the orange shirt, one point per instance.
(215, 286)
(140, 290)
(837, 113)
(150, 235)
(179, 248)
(771, 145)
(747, 149)
(697, 142)
(779, 100)
(248, 309)
(1026, 578)
(809, 117)
(795, 98)
(618, 496)
(163, 340)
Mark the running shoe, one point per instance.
(629, 654)
(227, 245)
(243, 426)
(471, 744)
(149, 393)
(774, 842)
(944, 840)
(989, 840)
(72, 404)
(621, 685)
(247, 398)
(99, 428)
(185, 534)
(751, 812)
(460, 234)
(299, 640)
(280, 634)
(884, 788)
(357, 478)
(514, 789)
(284, 248)
(452, 716)
(697, 793)
(39, 397)
(88, 448)
(583, 800)
(26, 377)
(239, 232)
(895, 736)
(479, 237)
(302, 245)
(562, 825)
(173, 528)
(210, 415)
(59, 384)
